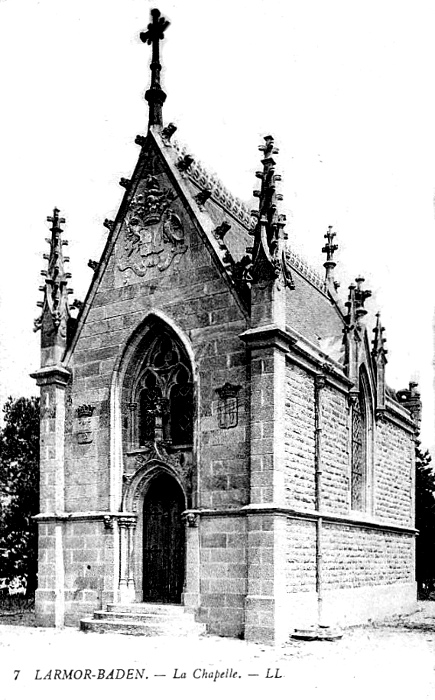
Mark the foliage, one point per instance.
(425, 517)
(19, 489)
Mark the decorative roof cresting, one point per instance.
(207, 181)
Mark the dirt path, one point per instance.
(393, 660)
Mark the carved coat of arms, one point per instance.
(153, 234)
(85, 424)
(228, 406)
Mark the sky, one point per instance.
(345, 88)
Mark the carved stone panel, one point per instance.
(152, 234)
(154, 453)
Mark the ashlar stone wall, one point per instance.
(353, 554)
(191, 296)
(394, 474)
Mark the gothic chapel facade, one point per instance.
(216, 430)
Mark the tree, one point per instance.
(19, 489)
(425, 517)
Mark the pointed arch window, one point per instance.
(164, 394)
(360, 481)
(358, 473)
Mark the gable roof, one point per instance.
(227, 225)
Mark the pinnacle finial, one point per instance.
(56, 221)
(155, 96)
(355, 302)
(329, 248)
(361, 294)
(269, 229)
(55, 304)
(410, 398)
(378, 342)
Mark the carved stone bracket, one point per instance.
(184, 163)
(353, 399)
(221, 230)
(168, 132)
(108, 522)
(202, 197)
(320, 381)
(140, 140)
(127, 521)
(380, 415)
(191, 518)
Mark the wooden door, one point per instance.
(163, 542)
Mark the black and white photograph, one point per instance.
(217, 349)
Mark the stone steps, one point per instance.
(146, 619)
(169, 610)
(153, 618)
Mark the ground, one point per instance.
(395, 659)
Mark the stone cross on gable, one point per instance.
(329, 248)
(155, 95)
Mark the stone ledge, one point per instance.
(79, 515)
(292, 513)
(52, 374)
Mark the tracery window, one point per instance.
(358, 472)
(361, 449)
(165, 394)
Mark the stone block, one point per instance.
(237, 570)
(213, 540)
(236, 540)
(213, 600)
(230, 556)
(213, 570)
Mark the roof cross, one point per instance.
(155, 95)
(329, 248)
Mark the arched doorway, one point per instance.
(163, 541)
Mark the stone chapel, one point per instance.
(217, 436)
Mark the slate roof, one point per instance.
(311, 311)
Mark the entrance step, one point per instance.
(146, 619)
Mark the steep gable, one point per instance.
(160, 232)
